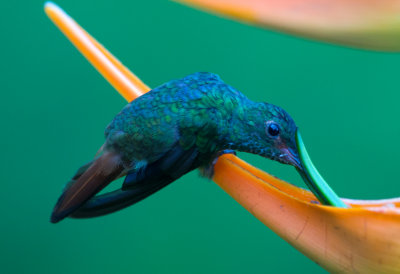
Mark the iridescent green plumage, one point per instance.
(171, 130)
(199, 110)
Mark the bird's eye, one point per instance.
(273, 129)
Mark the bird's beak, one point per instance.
(292, 158)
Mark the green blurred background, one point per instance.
(55, 106)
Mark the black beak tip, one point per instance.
(299, 167)
(293, 159)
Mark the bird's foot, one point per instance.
(208, 170)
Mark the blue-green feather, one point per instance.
(182, 125)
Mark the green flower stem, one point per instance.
(314, 180)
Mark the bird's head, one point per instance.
(276, 134)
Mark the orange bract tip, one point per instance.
(123, 80)
(367, 24)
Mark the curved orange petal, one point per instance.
(110, 67)
(364, 238)
(369, 24)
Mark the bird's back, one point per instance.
(188, 111)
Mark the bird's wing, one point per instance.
(143, 182)
(175, 163)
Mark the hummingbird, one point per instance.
(171, 130)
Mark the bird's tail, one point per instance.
(97, 175)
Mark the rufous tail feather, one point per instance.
(103, 171)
